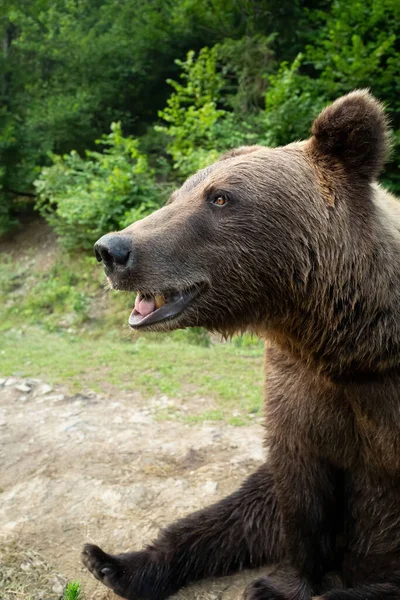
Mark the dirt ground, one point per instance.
(105, 470)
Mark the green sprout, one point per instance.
(73, 591)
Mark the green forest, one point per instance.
(106, 105)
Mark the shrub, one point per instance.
(354, 47)
(291, 103)
(199, 125)
(192, 112)
(85, 197)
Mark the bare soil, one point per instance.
(106, 470)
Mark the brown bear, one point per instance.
(300, 245)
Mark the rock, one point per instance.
(58, 586)
(2, 381)
(10, 381)
(210, 487)
(55, 397)
(32, 381)
(23, 398)
(23, 387)
(43, 389)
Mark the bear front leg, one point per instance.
(306, 488)
(242, 530)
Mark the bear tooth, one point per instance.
(159, 300)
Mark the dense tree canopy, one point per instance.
(187, 78)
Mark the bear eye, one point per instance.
(220, 200)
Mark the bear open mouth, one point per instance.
(153, 308)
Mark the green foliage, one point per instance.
(245, 64)
(83, 198)
(200, 126)
(73, 591)
(291, 103)
(68, 68)
(241, 73)
(192, 112)
(355, 47)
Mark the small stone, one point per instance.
(210, 487)
(44, 389)
(2, 381)
(23, 387)
(58, 588)
(10, 381)
(55, 397)
(23, 398)
(26, 566)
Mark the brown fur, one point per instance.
(306, 253)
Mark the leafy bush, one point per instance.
(85, 197)
(354, 47)
(201, 125)
(192, 112)
(291, 103)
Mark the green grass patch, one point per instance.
(229, 375)
(73, 591)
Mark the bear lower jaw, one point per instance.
(150, 310)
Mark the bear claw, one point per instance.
(101, 565)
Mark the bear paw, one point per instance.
(110, 570)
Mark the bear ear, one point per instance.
(354, 130)
(239, 151)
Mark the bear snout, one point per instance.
(114, 250)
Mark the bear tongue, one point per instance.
(144, 307)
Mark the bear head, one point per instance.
(265, 239)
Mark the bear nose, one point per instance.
(113, 249)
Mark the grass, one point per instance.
(228, 374)
(26, 575)
(73, 591)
